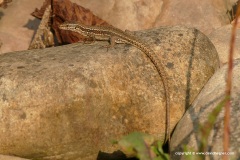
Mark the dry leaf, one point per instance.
(68, 11)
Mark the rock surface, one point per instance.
(71, 101)
(221, 40)
(186, 132)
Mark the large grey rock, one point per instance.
(186, 132)
(69, 102)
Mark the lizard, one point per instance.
(115, 35)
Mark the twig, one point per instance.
(226, 135)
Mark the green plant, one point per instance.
(142, 146)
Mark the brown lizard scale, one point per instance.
(118, 36)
